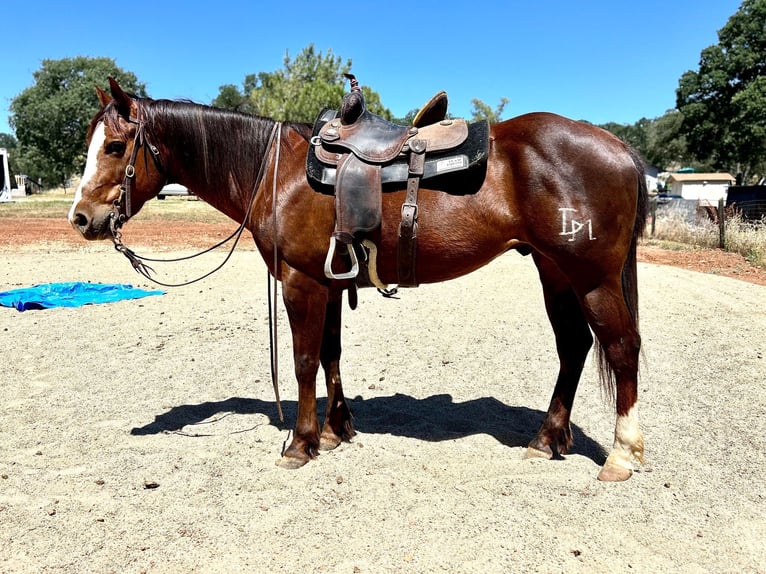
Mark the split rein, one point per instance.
(118, 217)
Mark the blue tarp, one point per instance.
(73, 294)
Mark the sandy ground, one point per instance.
(141, 436)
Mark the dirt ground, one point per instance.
(141, 436)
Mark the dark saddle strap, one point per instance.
(408, 228)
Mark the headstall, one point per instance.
(122, 205)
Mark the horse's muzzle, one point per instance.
(91, 227)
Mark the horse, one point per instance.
(569, 194)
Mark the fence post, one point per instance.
(721, 225)
(653, 210)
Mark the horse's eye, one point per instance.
(115, 148)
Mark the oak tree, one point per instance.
(299, 90)
(724, 102)
(51, 117)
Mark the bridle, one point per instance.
(122, 209)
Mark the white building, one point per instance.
(5, 176)
(706, 188)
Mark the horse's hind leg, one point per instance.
(617, 333)
(338, 424)
(573, 341)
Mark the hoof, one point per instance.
(329, 442)
(614, 473)
(616, 468)
(533, 452)
(291, 463)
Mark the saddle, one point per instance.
(355, 153)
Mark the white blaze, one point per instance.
(91, 165)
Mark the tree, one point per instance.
(634, 135)
(298, 91)
(666, 145)
(230, 98)
(51, 117)
(482, 111)
(7, 141)
(724, 102)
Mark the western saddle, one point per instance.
(355, 152)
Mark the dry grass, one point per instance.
(56, 204)
(672, 227)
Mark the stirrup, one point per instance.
(328, 263)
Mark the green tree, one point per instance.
(666, 145)
(7, 141)
(230, 98)
(724, 102)
(297, 92)
(482, 111)
(51, 117)
(634, 135)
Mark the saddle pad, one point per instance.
(72, 294)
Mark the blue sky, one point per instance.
(598, 60)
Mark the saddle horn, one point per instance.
(354, 83)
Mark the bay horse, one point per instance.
(570, 194)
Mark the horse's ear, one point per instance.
(103, 97)
(124, 102)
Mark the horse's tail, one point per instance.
(629, 279)
(629, 269)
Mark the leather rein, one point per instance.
(122, 208)
(122, 211)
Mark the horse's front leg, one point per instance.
(338, 425)
(306, 303)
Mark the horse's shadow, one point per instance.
(435, 418)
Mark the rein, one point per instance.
(118, 217)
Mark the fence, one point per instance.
(739, 227)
